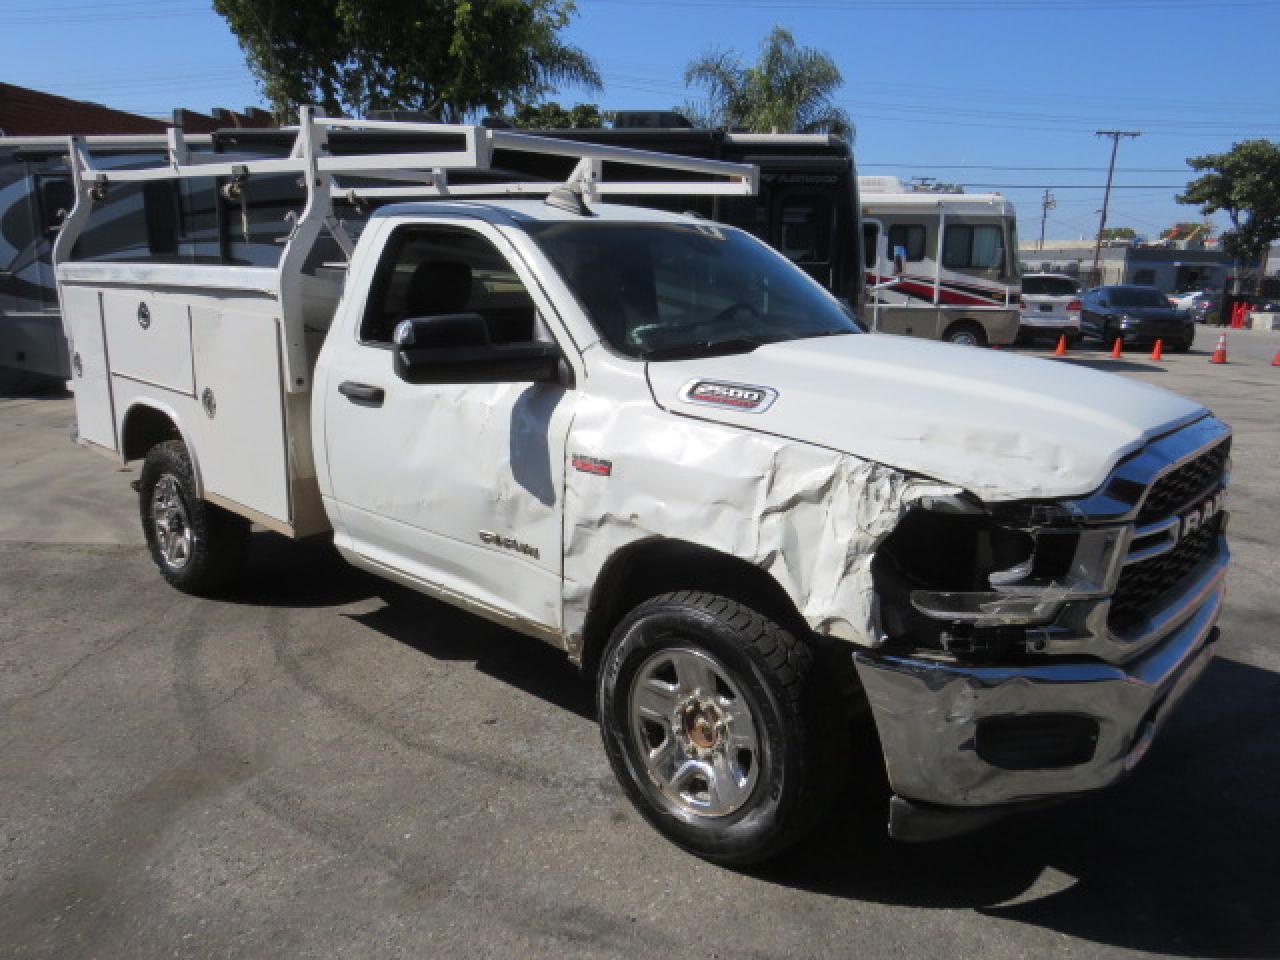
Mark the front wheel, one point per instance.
(706, 712)
(198, 547)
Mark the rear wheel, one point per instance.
(707, 712)
(198, 547)
(966, 333)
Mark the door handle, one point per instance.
(362, 393)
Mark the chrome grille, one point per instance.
(1187, 485)
(1142, 585)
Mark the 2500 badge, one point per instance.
(735, 396)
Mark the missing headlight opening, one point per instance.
(968, 584)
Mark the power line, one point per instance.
(1074, 186)
(1021, 169)
(947, 5)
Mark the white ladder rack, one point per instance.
(403, 175)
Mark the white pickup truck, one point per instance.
(650, 440)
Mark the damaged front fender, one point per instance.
(809, 517)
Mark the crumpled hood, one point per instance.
(1002, 426)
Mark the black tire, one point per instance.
(1073, 337)
(1181, 346)
(966, 333)
(214, 542)
(766, 671)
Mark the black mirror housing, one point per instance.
(455, 348)
(442, 330)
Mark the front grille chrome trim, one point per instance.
(1120, 499)
(1166, 528)
(1191, 593)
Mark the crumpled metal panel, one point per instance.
(809, 517)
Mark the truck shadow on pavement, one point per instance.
(312, 573)
(1178, 859)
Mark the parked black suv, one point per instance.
(1134, 314)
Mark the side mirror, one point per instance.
(899, 261)
(455, 348)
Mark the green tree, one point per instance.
(1119, 233)
(449, 58)
(552, 116)
(1245, 184)
(788, 89)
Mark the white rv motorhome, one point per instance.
(939, 265)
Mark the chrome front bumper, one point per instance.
(927, 711)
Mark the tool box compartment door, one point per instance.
(241, 438)
(82, 317)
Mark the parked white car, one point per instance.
(1050, 306)
(1191, 299)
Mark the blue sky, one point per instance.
(991, 93)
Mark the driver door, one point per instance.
(457, 487)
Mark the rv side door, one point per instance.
(804, 232)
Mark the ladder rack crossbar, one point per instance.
(473, 155)
(540, 188)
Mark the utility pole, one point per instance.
(1047, 204)
(1115, 136)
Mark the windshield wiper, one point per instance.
(706, 348)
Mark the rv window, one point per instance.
(973, 247)
(160, 206)
(910, 236)
(805, 229)
(870, 245)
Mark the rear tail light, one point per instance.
(1075, 305)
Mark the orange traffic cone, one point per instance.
(1115, 349)
(1220, 351)
(1156, 353)
(1062, 346)
(1276, 362)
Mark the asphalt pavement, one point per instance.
(325, 765)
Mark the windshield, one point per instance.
(671, 290)
(1050, 286)
(1138, 297)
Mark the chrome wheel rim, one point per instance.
(694, 732)
(965, 339)
(171, 523)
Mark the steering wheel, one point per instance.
(731, 311)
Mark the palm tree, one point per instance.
(787, 90)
